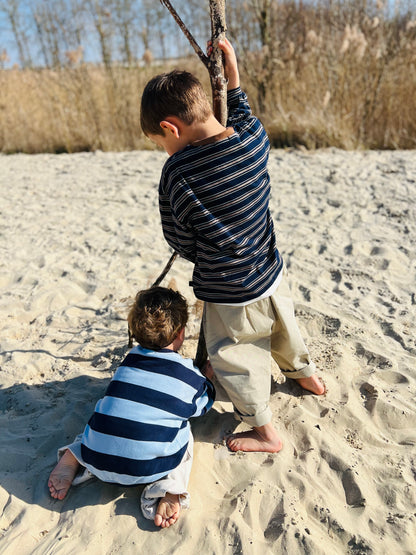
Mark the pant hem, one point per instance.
(256, 420)
(305, 372)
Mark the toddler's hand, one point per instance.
(208, 370)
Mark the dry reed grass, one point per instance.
(335, 83)
(350, 86)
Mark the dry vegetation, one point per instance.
(343, 76)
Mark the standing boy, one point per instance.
(140, 432)
(214, 203)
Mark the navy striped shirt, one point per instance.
(214, 206)
(139, 431)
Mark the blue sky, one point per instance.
(176, 44)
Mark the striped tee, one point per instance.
(140, 430)
(214, 207)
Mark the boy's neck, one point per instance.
(199, 132)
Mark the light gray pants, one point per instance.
(241, 341)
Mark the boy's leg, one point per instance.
(162, 501)
(287, 345)
(238, 345)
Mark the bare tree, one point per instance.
(60, 29)
(49, 20)
(13, 13)
(101, 14)
(150, 23)
(125, 22)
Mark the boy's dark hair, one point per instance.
(178, 93)
(157, 316)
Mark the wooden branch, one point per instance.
(215, 64)
(186, 32)
(166, 269)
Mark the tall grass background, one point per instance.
(343, 76)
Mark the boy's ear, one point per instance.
(171, 126)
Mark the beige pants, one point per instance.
(240, 343)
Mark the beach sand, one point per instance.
(80, 234)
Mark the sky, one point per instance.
(176, 44)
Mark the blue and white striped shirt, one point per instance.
(214, 206)
(140, 430)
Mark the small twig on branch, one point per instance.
(204, 58)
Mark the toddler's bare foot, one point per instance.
(313, 384)
(168, 510)
(62, 475)
(262, 438)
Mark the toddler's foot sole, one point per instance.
(168, 510)
(62, 475)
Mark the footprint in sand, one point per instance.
(352, 491)
(370, 396)
(393, 378)
(336, 276)
(374, 359)
(275, 526)
(305, 292)
(331, 326)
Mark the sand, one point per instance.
(80, 234)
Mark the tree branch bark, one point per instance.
(215, 64)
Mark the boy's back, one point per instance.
(214, 203)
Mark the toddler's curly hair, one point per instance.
(157, 316)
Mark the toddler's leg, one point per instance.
(163, 500)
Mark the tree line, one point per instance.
(318, 72)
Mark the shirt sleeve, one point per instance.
(238, 107)
(206, 398)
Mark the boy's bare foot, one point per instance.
(168, 510)
(313, 384)
(262, 438)
(63, 475)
